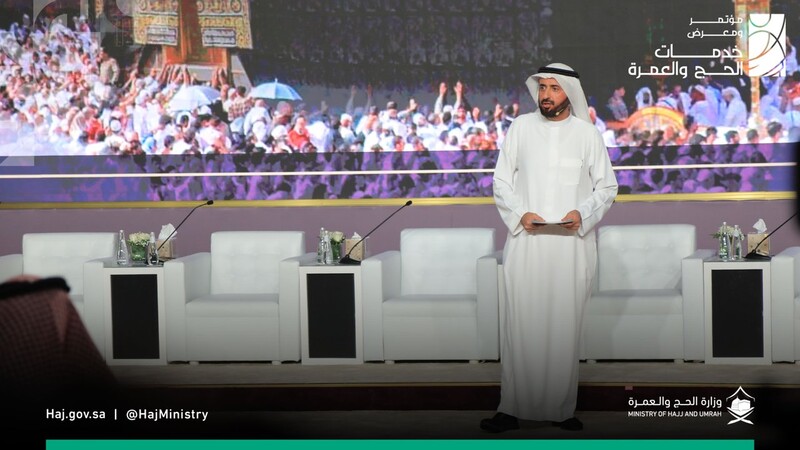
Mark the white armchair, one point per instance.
(785, 268)
(434, 299)
(238, 302)
(647, 301)
(67, 255)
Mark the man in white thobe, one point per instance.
(552, 184)
(735, 115)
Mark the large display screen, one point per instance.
(393, 99)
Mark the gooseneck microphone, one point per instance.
(210, 202)
(757, 256)
(346, 259)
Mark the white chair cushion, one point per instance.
(63, 254)
(246, 262)
(432, 306)
(442, 260)
(431, 338)
(635, 337)
(234, 305)
(643, 256)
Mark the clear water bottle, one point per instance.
(321, 247)
(123, 256)
(328, 253)
(152, 251)
(724, 243)
(737, 243)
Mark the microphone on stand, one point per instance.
(210, 202)
(759, 257)
(346, 259)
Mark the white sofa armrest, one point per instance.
(94, 304)
(488, 307)
(308, 258)
(380, 279)
(196, 275)
(501, 299)
(692, 290)
(785, 286)
(10, 266)
(185, 278)
(289, 306)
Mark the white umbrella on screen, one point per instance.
(188, 98)
(275, 91)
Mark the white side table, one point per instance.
(331, 314)
(737, 303)
(134, 314)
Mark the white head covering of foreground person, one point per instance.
(569, 80)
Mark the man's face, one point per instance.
(552, 99)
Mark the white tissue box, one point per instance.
(168, 250)
(358, 252)
(753, 239)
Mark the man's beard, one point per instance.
(554, 111)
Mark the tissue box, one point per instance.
(168, 250)
(753, 239)
(358, 252)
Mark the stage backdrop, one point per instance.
(348, 56)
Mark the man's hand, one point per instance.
(527, 221)
(575, 217)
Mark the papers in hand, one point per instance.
(557, 222)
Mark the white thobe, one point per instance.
(549, 168)
(735, 114)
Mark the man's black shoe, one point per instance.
(571, 424)
(499, 423)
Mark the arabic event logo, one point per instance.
(741, 406)
(766, 45)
